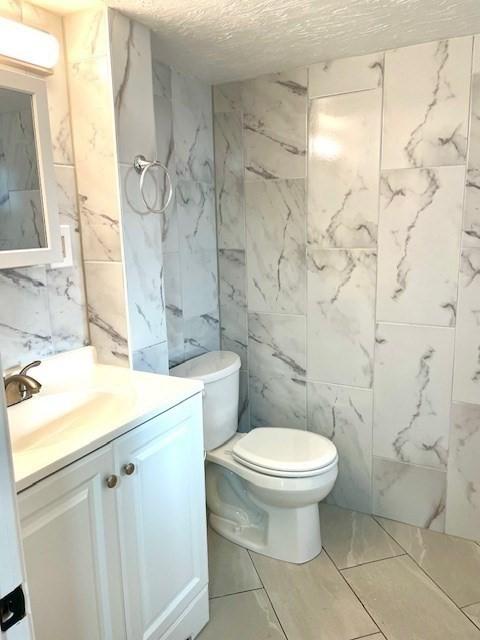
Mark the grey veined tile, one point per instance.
(473, 612)
(395, 484)
(275, 110)
(419, 234)
(344, 414)
(352, 538)
(243, 616)
(463, 496)
(406, 604)
(345, 75)
(312, 600)
(230, 568)
(427, 125)
(276, 246)
(343, 170)
(453, 563)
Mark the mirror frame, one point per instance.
(36, 87)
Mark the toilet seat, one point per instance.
(285, 453)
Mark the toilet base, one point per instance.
(291, 535)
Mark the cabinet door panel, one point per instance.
(162, 519)
(71, 548)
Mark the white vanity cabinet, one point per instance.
(115, 544)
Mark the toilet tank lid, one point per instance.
(208, 367)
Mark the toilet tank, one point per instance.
(219, 371)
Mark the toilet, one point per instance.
(263, 487)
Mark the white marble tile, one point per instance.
(165, 148)
(427, 125)
(274, 123)
(472, 194)
(341, 316)
(199, 283)
(419, 239)
(345, 75)
(276, 352)
(463, 492)
(153, 359)
(244, 404)
(229, 181)
(195, 202)
(173, 307)
(344, 415)
(107, 312)
(466, 380)
(57, 89)
(227, 97)
(343, 170)
(161, 74)
(142, 234)
(94, 138)
(25, 332)
(86, 34)
(66, 287)
(277, 401)
(276, 246)
(276, 345)
(410, 494)
(413, 383)
(201, 334)
(233, 302)
(192, 128)
(131, 58)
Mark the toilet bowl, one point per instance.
(263, 487)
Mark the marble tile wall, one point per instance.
(93, 126)
(349, 267)
(44, 310)
(184, 141)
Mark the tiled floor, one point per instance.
(375, 579)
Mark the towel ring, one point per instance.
(142, 166)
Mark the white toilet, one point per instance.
(263, 487)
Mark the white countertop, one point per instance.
(83, 406)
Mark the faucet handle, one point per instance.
(27, 367)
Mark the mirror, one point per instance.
(29, 226)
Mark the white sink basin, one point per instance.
(38, 422)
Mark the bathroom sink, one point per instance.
(38, 422)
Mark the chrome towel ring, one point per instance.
(142, 166)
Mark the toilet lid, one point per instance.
(287, 450)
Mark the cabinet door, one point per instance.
(72, 556)
(161, 510)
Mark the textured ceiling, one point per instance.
(221, 40)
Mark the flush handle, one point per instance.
(129, 469)
(112, 481)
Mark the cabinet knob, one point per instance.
(112, 481)
(129, 469)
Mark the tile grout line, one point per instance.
(363, 564)
(357, 597)
(267, 594)
(237, 593)
(428, 576)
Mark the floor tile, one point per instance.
(230, 567)
(312, 600)
(473, 612)
(406, 604)
(453, 563)
(351, 538)
(243, 616)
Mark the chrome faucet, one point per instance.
(20, 386)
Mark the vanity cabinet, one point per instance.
(115, 544)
